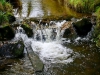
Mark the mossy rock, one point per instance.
(6, 33)
(11, 18)
(98, 43)
(18, 49)
(12, 50)
(82, 27)
(28, 30)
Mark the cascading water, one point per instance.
(47, 43)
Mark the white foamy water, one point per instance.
(52, 52)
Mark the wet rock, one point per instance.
(82, 27)
(68, 30)
(28, 30)
(35, 60)
(18, 49)
(11, 18)
(12, 50)
(6, 33)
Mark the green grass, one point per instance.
(3, 18)
(5, 8)
(84, 6)
(97, 28)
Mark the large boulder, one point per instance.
(68, 30)
(6, 33)
(82, 27)
(12, 50)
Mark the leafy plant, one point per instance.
(5, 8)
(8, 7)
(3, 18)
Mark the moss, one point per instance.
(8, 7)
(97, 28)
(5, 6)
(27, 29)
(3, 18)
(18, 49)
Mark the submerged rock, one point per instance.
(35, 60)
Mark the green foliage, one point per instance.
(84, 6)
(8, 7)
(3, 2)
(5, 8)
(3, 18)
(97, 28)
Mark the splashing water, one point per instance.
(49, 51)
(52, 52)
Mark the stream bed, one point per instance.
(85, 59)
(87, 62)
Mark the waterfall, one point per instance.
(47, 43)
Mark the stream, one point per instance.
(60, 57)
